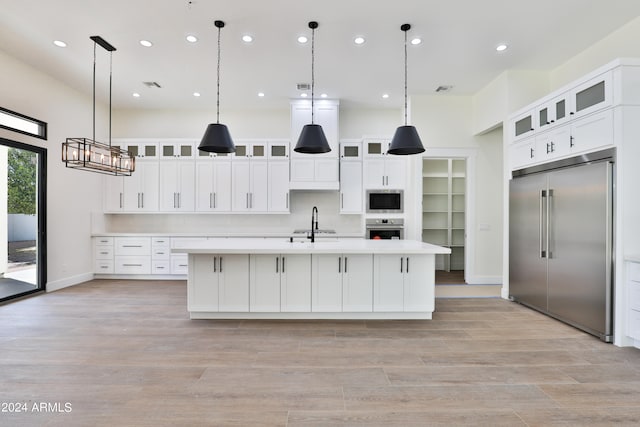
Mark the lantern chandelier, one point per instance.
(89, 154)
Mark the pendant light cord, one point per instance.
(405, 78)
(110, 92)
(313, 83)
(94, 90)
(218, 84)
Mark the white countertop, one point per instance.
(274, 246)
(283, 235)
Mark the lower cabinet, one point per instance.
(633, 298)
(132, 255)
(220, 283)
(280, 283)
(342, 283)
(398, 283)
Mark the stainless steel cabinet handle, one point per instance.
(277, 262)
(571, 138)
(247, 200)
(407, 264)
(142, 198)
(287, 201)
(215, 201)
(383, 180)
(531, 153)
(401, 264)
(251, 200)
(131, 246)
(179, 200)
(215, 264)
(132, 265)
(121, 200)
(104, 253)
(345, 264)
(183, 265)
(339, 262)
(220, 264)
(341, 200)
(283, 264)
(210, 200)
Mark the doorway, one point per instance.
(23, 214)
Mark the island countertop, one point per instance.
(320, 246)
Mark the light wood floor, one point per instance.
(126, 354)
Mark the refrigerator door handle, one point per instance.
(549, 223)
(541, 225)
(609, 251)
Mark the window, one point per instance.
(22, 124)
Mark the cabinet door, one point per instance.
(204, 185)
(278, 186)
(419, 281)
(522, 153)
(357, 283)
(351, 187)
(295, 284)
(279, 150)
(222, 186)
(259, 192)
(592, 132)
(327, 117)
(326, 170)
(187, 189)
(169, 185)
(302, 170)
(114, 193)
(233, 271)
(592, 96)
(203, 283)
(149, 186)
(326, 283)
(388, 283)
(132, 187)
(522, 126)
(396, 172)
(241, 184)
(264, 283)
(374, 176)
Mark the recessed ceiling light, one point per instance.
(261, 94)
(196, 94)
(385, 95)
(136, 95)
(304, 95)
(416, 40)
(59, 43)
(302, 39)
(247, 38)
(359, 40)
(501, 47)
(191, 38)
(324, 95)
(146, 43)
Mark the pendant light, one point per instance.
(312, 139)
(89, 154)
(405, 140)
(217, 138)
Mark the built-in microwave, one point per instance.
(385, 201)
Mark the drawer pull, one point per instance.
(159, 268)
(104, 253)
(132, 265)
(182, 265)
(131, 246)
(104, 267)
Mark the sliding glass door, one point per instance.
(22, 219)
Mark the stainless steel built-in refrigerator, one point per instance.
(561, 240)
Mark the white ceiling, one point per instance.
(459, 39)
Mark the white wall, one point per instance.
(71, 194)
(620, 44)
(445, 122)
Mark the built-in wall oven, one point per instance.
(385, 201)
(382, 228)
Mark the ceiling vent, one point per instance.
(444, 88)
(303, 86)
(151, 84)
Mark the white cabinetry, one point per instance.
(381, 170)
(177, 149)
(103, 255)
(141, 188)
(250, 185)
(279, 283)
(351, 178)
(278, 186)
(177, 185)
(399, 285)
(132, 255)
(213, 184)
(633, 298)
(221, 283)
(315, 171)
(342, 283)
(160, 255)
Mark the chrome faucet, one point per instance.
(314, 224)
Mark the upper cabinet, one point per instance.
(251, 150)
(315, 171)
(382, 170)
(177, 149)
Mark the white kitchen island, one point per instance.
(239, 278)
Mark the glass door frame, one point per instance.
(41, 209)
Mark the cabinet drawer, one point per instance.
(104, 241)
(161, 267)
(633, 270)
(633, 326)
(103, 252)
(103, 266)
(179, 264)
(132, 265)
(160, 253)
(133, 246)
(161, 242)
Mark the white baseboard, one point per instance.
(69, 281)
